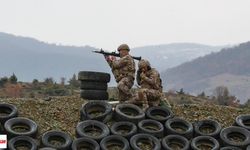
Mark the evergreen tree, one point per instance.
(202, 94)
(73, 82)
(35, 82)
(181, 91)
(3, 81)
(49, 81)
(13, 79)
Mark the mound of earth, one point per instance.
(62, 113)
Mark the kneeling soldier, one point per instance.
(150, 91)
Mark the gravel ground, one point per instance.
(62, 113)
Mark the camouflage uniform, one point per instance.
(124, 73)
(150, 92)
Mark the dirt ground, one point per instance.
(62, 113)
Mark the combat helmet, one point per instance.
(123, 47)
(144, 62)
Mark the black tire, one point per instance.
(138, 140)
(1, 128)
(47, 148)
(56, 139)
(204, 142)
(229, 134)
(172, 142)
(248, 147)
(20, 126)
(124, 128)
(114, 142)
(94, 94)
(93, 76)
(180, 127)
(129, 112)
(85, 128)
(207, 128)
(161, 114)
(85, 143)
(96, 110)
(243, 121)
(231, 148)
(92, 85)
(7, 111)
(151, 127)
(23, 142)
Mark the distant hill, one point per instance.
(170, 55)
(229, 67)
(29, 58)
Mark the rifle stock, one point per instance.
(114, 54)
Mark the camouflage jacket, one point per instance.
(124, 67)
(152, 80)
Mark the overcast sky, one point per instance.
(108, 23)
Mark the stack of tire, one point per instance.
(127, 127)
(122, 127)
(93, 85)
(20, 131)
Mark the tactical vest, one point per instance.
(126, 71)
(144, 84)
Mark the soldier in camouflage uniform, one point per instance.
(124, 72)
(150, 91)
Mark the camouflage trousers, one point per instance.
(124, 87)
(147, 97)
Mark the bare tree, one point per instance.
(223, 97)
(63, 79)
(221, 93)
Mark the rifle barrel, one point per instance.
(114, 54)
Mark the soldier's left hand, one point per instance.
(110, 58)
(142, 75)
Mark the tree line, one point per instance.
(11, 87)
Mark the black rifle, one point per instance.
(114, 54)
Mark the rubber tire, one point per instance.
(208, 140)
(208, 124)
(241, 119)
(22, 141)
(55, 135)
(104, 107)
(235, 130)
(87, 142)
(231, 148)
(94, 94)
(47, 148)
(1, 128)
(92, 85)
(120, 115)
(114, 139)
(185, 125)
(124, 124)
(168, 140)
(93, 123)
(142, 136)
(33, 129)
(142, 126)
(166, 113)
(93, 76)
(10, 109)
